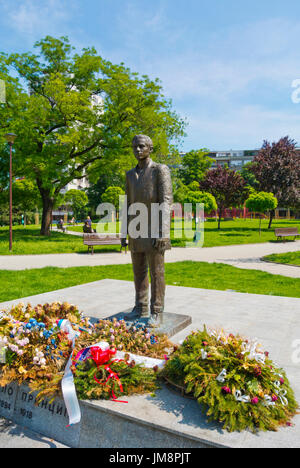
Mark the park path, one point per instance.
(246, 256)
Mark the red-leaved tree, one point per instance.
(277, 169)
(227, 186)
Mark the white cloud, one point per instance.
(35, 18)
(218, 64)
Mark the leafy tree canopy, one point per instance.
(75, 111)
(276, 168)
(111, 195)
(78, 200)
(261, 202)
(227, 186)
(194, 165)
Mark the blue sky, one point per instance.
(227, 65)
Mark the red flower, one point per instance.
(204, 343)
(254, 401)
(257, 371)
(226, 390)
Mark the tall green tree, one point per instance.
(111, 195)
(247, 174)
(78, 200)
(73, 111)
(261, 202)
(194, 166)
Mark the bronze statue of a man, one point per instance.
(149, 192)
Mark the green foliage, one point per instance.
(199, 363)
(111, 195)
(248, 176)
(79, 117)
(261, 202)
(194, 196)
(134, 379)
(194, 165)
(78, 200)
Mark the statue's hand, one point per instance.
(160, 245)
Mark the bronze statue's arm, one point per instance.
(165, 199)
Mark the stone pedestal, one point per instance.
(170, 325)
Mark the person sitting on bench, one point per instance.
(60, 225)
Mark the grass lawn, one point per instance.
(291, 258)
(28, 240)
(17, 284)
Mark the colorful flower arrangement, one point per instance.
(234, 381)
(35, 350)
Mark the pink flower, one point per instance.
(274, 398)
(226, 390)
(281, 381)
(254, 401)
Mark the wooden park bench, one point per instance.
(101, 239)
(281, 233)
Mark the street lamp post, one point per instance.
(10, 138)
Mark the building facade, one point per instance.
(233, 159)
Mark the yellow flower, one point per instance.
(22, 370)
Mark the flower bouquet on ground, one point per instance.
(35, 348)
(234, 381)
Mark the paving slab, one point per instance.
(169, 419)
(15, 436)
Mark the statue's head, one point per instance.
(142, 146)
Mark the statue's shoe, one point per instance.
(136, 313)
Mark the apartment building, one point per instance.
(234, 159)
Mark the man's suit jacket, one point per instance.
(150, 185)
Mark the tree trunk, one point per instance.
(219, 219)
(272, 215)
(48, 204)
